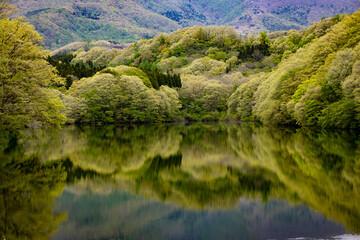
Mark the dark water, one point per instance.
(176, 181)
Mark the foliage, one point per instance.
(68, 70)
(25, 100)
(113, 97)
(241, 102)
(130, 71)
(255, 49)
(159, 79)
(204, 99)
(311, 85)
(303, 78)
(63, 22)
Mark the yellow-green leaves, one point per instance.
(315, 85)
(25, 75)
(120, 95)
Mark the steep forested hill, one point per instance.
(304, 78)
(67, 21)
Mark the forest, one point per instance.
(302, 78)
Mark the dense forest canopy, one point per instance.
(301, 78)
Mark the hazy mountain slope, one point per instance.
(251, 16)
(188, 13)
(67, 21)
(274, 15)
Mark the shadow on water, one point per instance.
(181, 178)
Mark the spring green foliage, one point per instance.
(207, 54)
(284, 78)
(25, 78)
(255, 50)
(314, 86)
(303, 78)
(204, 99)
(63, 22)
(117, 95)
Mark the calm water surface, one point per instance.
(177, 181)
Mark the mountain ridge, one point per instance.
(62, 22)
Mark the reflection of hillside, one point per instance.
(212, 166)
(108, 150)
(322, 168)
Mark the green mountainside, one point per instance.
(63, 22)
(298, 78)
(304, 78)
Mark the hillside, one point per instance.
(298, 78)
(63, 22)
(249, 16)
(304, 78)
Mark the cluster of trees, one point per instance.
(67, 69)
(26, 78)
(204, 99)
(304, 78)
(114, 96)
(315, 86)
(158, 78)
(65, 22)
(255, 51)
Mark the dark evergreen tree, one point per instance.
(63, 63)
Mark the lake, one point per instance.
(181, 181)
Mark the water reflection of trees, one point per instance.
(27, 195)
(321, 168)
(213, 165)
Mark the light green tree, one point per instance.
(25, 75)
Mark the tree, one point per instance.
(6, 9)
(264, 44)
(25, 75)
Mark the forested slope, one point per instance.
(62, 22)
(317, 85)
(301, 78)
(305, 78)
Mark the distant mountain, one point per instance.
(250, 15)
(62, 22)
